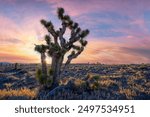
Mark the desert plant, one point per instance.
(41, 78)
(95, 86)
(49, 82)
(96, 77)
(50, 72)
(16, 66)
(88, 76)
(93, 81)
(57, 46)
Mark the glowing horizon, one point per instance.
(119, 31)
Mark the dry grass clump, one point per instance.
(78, 82)
(65, 81)
(92, 76)
(147, 84)
(12, 77)
(128, 92)
(4, 94)
(8, 85)
(106, 82)
(97, 81)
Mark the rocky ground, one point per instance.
(79, 81)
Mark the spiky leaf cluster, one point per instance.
(47, 24)
(54, 49)
(76, 33)
(48, 39)
(40, 48)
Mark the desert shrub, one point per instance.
(106, 82)
(130, 93)
(38, 73)
(88, 76)
(96, 77)
(92, 82)
(50, 72)
(147, 84)
(49, 81)
(78, 82)
(93, 76)
(95, 86)
(41, 78)
(84, 85)
(63, 81)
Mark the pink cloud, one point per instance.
(131, 48)
(97, 50)
(113, 53)
(77, 7)
(9, 31)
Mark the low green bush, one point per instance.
(41, 78)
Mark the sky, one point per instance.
(119, 29)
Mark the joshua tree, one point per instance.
(57, 46)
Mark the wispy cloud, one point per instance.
(17, 41)
(119, 30)
(114, 53)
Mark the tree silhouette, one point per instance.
(57, 46)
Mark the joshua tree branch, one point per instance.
(61, 33)
(73, 55)
(53, 33)
(50, 28)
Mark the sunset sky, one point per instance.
(119, 29)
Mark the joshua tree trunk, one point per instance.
(56, 68)
(44, 67)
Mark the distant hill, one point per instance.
(5, 63)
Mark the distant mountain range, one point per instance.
(5, 63)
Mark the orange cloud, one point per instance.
(17, 54)
(17, 41)
(17, 58)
